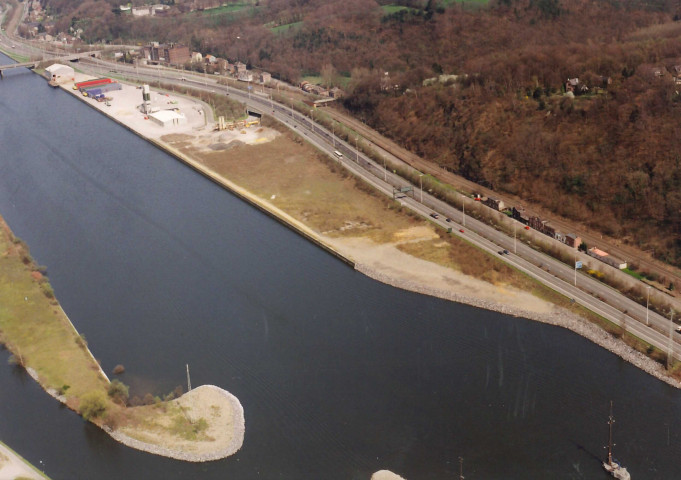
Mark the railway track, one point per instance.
(395, 152)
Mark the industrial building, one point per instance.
(168, 118)
(171, 54)
(58, 74)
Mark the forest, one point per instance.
(603, 150)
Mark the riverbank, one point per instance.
(13, 466)
(46, 344)
(330, 209)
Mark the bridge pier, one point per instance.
(1, 77)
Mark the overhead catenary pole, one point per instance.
(189, 382)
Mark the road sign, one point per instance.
(578, 264)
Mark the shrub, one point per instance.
(81, 341)
(118, 392)
(93, 404)
(47, 290)
(118, 369)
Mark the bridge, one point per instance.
(34, 63)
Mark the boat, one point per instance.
(611, 466)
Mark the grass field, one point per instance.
(289, 27)
(477, 3)
(35, 328)
(390, 9)
(227, 8)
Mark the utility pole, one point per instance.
(463, 205)
(515, 250)
(189, 382)
(461, 468)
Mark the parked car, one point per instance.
(448, 219)
(435, 215)
(506, 252)
(461, 230)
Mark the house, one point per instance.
(336, 92)
(240, 67)
(572, 240)
(265, 77)
(536, 223)
(573, 85)
(605, 257)
(676, 73)
(549, 229)
(494, 203)
(521, 215)
(196, 57)
(144, 11)
(245, 76)
(210, 59)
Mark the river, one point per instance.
(339, 375)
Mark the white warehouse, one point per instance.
(58, 74)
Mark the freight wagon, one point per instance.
(93, 91)
(91, 83)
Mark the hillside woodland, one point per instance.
(607, 153)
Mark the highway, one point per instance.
(591, 293)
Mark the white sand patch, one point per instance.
(401, 267)
(385, 475)
(13, 466)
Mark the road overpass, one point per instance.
(66, 58)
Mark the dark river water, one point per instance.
(339, 375)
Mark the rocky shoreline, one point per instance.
(559, 317)
(233, 447)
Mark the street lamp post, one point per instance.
(463, 206)
(356, 151)
(421, 183)
(333, 133)
(669, 350)
(515, 251)
(647, 304)
(385, 171)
